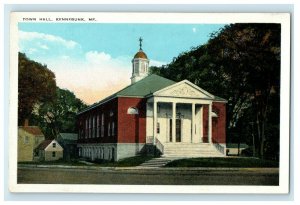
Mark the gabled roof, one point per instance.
(68, 136)
(186, 83)
(44, 144)
(216, 98)
(145, 88)
(34, 130)
(142, 88)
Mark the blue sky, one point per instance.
(93, 60)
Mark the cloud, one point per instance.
(157, 63)
(194, 30)
(43, 46)
(32, 50)
(92, 75)
(92, 78)
(31, 36)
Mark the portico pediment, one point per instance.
(184, 89)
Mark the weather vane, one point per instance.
(141, 40)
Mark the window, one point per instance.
(136, 66)
(81, 134)
(98, 125)
(113, 128)
(111, 113)
(102, 125)
(54, 145)
(94, 126)
(86, 128)
(108, 129)
(53, 154)
(143, 68)
(132, 111)
(214, 114)
(90, 127)
(26, 139)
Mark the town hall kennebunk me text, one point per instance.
(153, 114)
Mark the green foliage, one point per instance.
(36, 84)
(240, 63)
(44, 104)
(59, 115)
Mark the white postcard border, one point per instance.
(111, 17)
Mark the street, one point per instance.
(158, 176)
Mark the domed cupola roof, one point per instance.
(141, 54)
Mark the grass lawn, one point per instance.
(127, 162)
(222, 162)
(58, 162)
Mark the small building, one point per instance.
(233, 149)
(69, 143)
(49, 150)
(29, 137)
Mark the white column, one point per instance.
(209, 123)
(173, 122)
(193, 123)
(154, 120)
(201, 124)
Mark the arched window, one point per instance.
(214, 114)
(132, 111)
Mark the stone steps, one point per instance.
(157, 162)
(191, 150)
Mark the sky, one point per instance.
(94, 60)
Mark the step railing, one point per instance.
(158, 144)
(219, 147)
(149, 139)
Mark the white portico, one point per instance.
(176, 114)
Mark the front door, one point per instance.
(178, 130)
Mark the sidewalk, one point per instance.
(158, 169)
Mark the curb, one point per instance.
(137, 168)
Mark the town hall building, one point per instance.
(175, 119)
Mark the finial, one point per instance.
(140, 39)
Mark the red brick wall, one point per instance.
(106, 108)
(132, 128)
(205, 123)
(219, 123)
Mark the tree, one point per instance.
(59, 115)
(36, 84)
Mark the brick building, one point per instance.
(175, 118)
